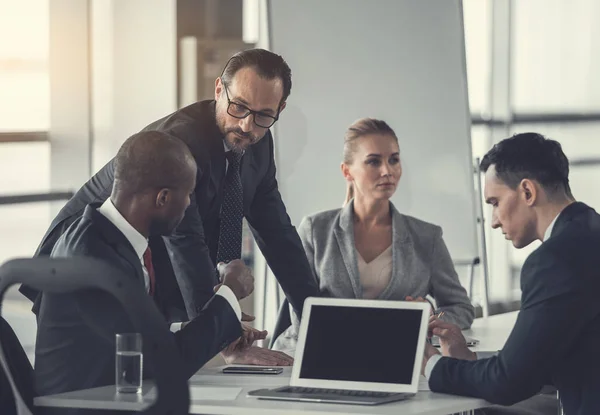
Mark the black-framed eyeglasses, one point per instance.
(241, 111)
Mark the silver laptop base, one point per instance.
(289, 393)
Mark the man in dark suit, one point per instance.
(230, 131)
(75, 349)
(557, 331)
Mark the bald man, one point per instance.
(154, 177)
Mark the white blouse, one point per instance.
(375, 275)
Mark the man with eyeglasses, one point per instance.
(230, 139)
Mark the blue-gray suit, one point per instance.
(421, 264)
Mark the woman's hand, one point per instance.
(420, 300)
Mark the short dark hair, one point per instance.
(152, 160)
(268, 65)
(530, 156)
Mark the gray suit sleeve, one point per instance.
(450, 296)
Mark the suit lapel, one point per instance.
(344, 234)
(248, 173)
(217, 169)
(402, 256)
(115, 238)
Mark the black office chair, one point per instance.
(282, 323)
(63, 275)
(19, 365)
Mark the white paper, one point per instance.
(213, 393)
(423, 383)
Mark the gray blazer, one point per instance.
(421, 265)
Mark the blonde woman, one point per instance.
(367, 249)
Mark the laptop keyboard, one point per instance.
(342, 392)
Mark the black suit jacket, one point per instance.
(192, 248)
(556, 335)
(75, 347)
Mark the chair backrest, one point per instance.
(17, 363)
(283, 321)
(64, 275)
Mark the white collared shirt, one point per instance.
(140, 243)
(227, 150)
(548, 232)
(136, 239)
(483, 355)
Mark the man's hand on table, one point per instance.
(256, 356)
(452, 341)
(249, 336)
(243, 352)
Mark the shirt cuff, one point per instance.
(485, 355)
(225, 292)
(175, 327)
(431, 364)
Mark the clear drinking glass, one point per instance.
(129, 363)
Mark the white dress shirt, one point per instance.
(482, 355)
(375, 275)
(227, 150)
(140, 243)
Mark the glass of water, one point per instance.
(129, 363)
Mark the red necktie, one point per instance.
(150, 269)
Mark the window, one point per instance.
(24, 75)
(24, 107)
(477, 22)
(555, 56)
(24, 168)
(554, 52)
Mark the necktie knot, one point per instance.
(147, 255)
(234, 158)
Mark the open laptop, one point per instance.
(363, 352)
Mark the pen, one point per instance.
(440, 314)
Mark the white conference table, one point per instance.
(491, 332)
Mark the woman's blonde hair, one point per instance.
(358, 129)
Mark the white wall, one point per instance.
(69, 94)
(133, 69)
(399, 60)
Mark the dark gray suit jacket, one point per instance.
(75, 346)
(555, 338)
(192, 249)
(421, 265)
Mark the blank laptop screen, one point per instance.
(361, 344)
